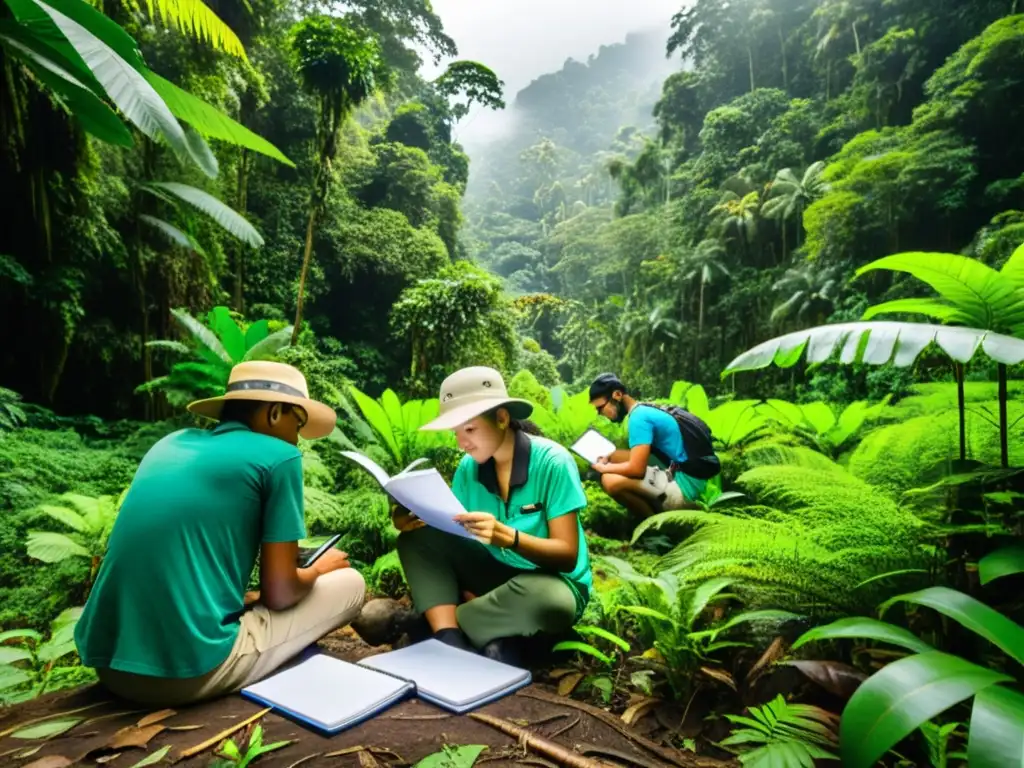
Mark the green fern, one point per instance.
(788, 735)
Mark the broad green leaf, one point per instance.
(983, 297)
(48, 729)
(228, 219)
(65, 516)
(604, 633)
(30, 14)
(973, 614)
(200, 152)
(677, 394)
(52, 651)
(11, 677)
(643, 610)
(13, 634)
(931, 308)
(256, 332)
(575, 645)
(207, 343)
(1013, 269)
(172, 233)
(392, 408)
(997, 729)
(1002, 562)
(221, 323)
(68, 85)
(153, 758)
(53, 547)
(748, 616)
(896, 700)
(209, 120)
(697, 402)
(788, 414)
(377, 419)
(865, 628)
(899, 344)
(136, 99)
(702, 596)
(462, 756)
(269, 346)
(10, 654)
(819, 415)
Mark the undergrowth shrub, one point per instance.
(386, 577)
(363, 517)
(915, 453)
(603, 515)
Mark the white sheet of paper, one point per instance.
(329, 691)
(440, 671)
(592, 445)
(370, 466)
(427, 495)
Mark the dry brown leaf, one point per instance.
(184, 727)
(346, 751)
(108, 758)
(554, 674)
(50, 761)
(51, 716)
(772, 654)
(156, 717)
(302, 760)
(26, 753)
(568, 683)
(133, 736)
(635, 711)
(366, 760)
(720, 675)
(835, 677)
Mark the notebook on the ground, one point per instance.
(328, 693)
(423, 492)
(452, 679)
(331, 695)
(592, 445)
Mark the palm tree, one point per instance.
(738, 212)
(703, 263)
(810, 292)
(970, 294)
(789, 195)
(342, 66)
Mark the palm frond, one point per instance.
(194, 17)
(230, 220)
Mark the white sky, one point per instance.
(522, 39)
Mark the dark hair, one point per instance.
(605, 384)
(239, 410)
(516, 425)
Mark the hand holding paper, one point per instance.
(593, 446)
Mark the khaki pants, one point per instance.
(510, 602)
(659, 486)
(266, 640)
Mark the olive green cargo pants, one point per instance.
(510, 602)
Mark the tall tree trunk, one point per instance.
(750, 62)
(856, 37)
(785, 63)
(1004, 429)
(242, 200)
(302, 275)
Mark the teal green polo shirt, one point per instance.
(545, 475)
(170, 589)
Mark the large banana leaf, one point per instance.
(864, 627)
(878, 343)
(125, 86)
(221, 322)
(172, 233)
(973, 614)
(231, 221)
(982, 297)
(268, 346)
(1003, 562)
(932, 308)
(210, 121)
(997, 729)
(378, 420)
(207, 344)
(83, 103)
(899, 698)
(1013, 269)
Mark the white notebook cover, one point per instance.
(448, 677)
(328, 693)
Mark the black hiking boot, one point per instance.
(456, 638)
(507, 650)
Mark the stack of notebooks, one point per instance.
(331, 695)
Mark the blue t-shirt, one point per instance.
(653, 427)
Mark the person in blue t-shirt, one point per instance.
(634, 477)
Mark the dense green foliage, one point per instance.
(272, 180)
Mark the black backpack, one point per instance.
(701, 461)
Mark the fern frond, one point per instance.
(195, 18)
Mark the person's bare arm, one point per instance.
(282, 584)
(634, 466)
(557, 552)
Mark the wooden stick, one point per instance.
(539, 744)
(673, 756)
(214, 740)
(564, 728)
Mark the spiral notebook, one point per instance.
(332, 695)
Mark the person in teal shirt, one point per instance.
(527, 570)
(168, 620)
(636, 478)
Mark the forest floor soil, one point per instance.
(401, 736)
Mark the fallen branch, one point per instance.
(418, 717)
(546, 747)
(595, 749)
(670, 755)
(35, 720)
(564, 728)
(214, 740)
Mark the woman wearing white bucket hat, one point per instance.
(528, 571)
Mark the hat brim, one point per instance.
(456, 417)
(321, 422)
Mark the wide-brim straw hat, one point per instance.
(470, 392)
(270, 382)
